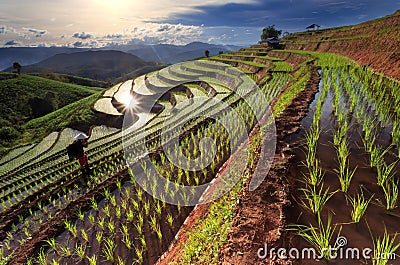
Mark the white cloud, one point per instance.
(36, 32)
(4, 29)
(118, 21)
(82, 35)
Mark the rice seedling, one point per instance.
(344, 173)
(384, 248)
(391, 192)
(42, 258)
(51, 243)
(320, 237)
(377, 155)
(99, 237)
(345, 178)
(314, 198)
(385, 172)
(108, 250)
(315, 173)
(80, 250)
(360, 205)
(92, 260)
(139, 255)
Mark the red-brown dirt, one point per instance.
(375, 43)
(260, 215)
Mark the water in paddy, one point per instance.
(376, 218)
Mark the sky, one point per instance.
(101, 23)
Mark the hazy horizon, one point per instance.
(100, 23)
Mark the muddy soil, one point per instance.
(260, 215)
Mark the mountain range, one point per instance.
(98, 65)
(160, 53)
(170, 54)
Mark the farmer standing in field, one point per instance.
(75, 151)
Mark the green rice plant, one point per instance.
(53, 262)
(80, 250)
(340, 133)
(319, 237)
(360, 205)
(384, 249)
(391, 192)
(42, 258)
(385, 172)
(99, 237)
(314, 198)
(346, 179)
(65, 251)
(315, 174)
(170, 219)
(101, 223)
(120, 261)
(396, 132)
(139, 255)
(344, 173)
(92, 260)
(377, 155)
(71, 228)
(84, 235)
(312, 137)
(108, 250)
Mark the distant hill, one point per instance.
(27, 97)
(30, 55)
(98, 65)
(170, 54)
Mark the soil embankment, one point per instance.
(375, 43)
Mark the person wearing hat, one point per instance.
(76, 151)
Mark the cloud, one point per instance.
(10, 43)
(37, 32)
(4, 29)
(82, 35)
(164, 27)
(78, 44)
(114, 36)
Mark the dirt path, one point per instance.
(260, 215)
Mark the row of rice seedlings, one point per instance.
(91, 146)
(315, 196)
(315, 173)
(344, 173)
(384, 248)
(167, 166)
(115, 213)
(33, 222)
(385, 173)
(72, 230)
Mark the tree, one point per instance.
(270, 32)
(207, 53)
(17, 67)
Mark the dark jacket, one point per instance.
(79, 149)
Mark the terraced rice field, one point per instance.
(49, 215)
(343, 174)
